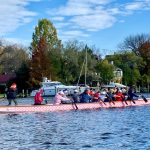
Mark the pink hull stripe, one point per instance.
(68, 107)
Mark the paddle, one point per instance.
(129, 98)
(110, 99)
(144, 98)
(100, 100)
(124, 99)
(74, 104)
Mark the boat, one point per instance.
(68, 107)
(50, 88)
(113, 85)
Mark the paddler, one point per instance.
(60, 97)
(38, 99)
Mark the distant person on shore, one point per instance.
(11, 94)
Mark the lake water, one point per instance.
(105, 129)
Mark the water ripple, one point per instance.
(108, 129)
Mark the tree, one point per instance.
(134, 43)
(23, 76)
(144, 51)
(131, 65)
(12, 58)
(45, 46)
(106, 71)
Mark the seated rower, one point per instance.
(96, 96)
(85, 97)
(38, 99)
(119, 96)
(131, 94)
(75, 97)
(60, 97)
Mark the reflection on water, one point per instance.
(106, 129)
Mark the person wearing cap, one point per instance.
(12, 93)
(59, 97)
(75, 97)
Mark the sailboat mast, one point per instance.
(85, 63)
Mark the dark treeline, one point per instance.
(48, 57)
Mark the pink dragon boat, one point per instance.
(69, 107)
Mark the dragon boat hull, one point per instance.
(68, 107)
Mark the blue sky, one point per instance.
(103, 23)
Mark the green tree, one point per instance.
(131, 65)
(144, 51)
(12, 58)
(106, 71)
(46, 51)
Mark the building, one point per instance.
(118, 75)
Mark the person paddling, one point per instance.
(131, 94)
(60, 98)
(38, 99)
(85, 97)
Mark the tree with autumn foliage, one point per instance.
(144, 51)
(45, 45)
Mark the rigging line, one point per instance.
(85, 63)
(81, 72)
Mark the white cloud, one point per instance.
(94, 22)
(93, 15)
(75, 33)
(134, 6)
(18, 41)
(13, 14)
(137, 6)
(90, 15)
(72, 34)
(58, 18)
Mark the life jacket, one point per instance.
(96, 96)
(91, 93)
(119, 96)
(38, 97)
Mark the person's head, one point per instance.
(87, 91)
(65, 91)
(13, 86)
(111, 90)
(41, 90)
(61, 93)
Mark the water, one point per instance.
(105, 129)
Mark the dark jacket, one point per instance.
(11, 94)
(85, 98)
(131, 94)
(75, 97)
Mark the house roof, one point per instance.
(6, 77)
